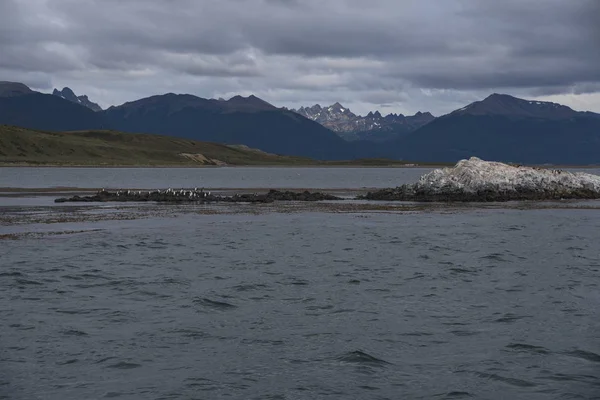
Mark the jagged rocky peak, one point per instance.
(68, 94)
(340, 119)
(374, 115)
(478, 180)
(425, 114)
(337, 107)
(12, 89)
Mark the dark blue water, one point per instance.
(484, 304)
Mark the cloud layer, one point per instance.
(392, 55)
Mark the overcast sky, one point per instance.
(391, 55)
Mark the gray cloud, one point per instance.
(398, 55)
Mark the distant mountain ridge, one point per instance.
(503, 104)
(68, 94)
(506, 128)
(373, 126)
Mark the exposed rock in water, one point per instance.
(475, 180)
(198, 196)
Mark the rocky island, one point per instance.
(197, 196)
(476, 180)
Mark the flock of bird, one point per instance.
(191, 194)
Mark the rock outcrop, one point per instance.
(68, 94)
(475, 180)
(198, 196)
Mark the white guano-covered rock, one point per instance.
(475, 180)
(474, 175)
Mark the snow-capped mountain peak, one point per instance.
(340, 119)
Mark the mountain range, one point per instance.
(240, 120)
(499, 127)
(373, 126)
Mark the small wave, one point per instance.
(510, 381)
(104, 359)
(324, 307)
(360, 357)
(152, 294)
(9, 274)
(249, 287)
(343, 310)
(191, 333)
(455, 395)
(72, 277)
(74, 312)
(514, 228)
(494, 257)
(124, 365)
(590, 379)
(458, 395)
(263, 341)
(464, 333)
(458, 270)
(367, 387)
(27, 282)
(219, 305)
(528, 348)
(74, 332)
(584, 355)
(295, 282)
(416, 334)
(118, 283)
(509, 318)
(67, 362)
(112, 395)
(417, 275)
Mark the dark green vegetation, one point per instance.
(499, 128)
(109, 148)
